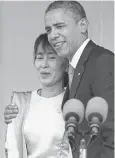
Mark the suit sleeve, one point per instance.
(103, 86)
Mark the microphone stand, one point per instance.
(83, 148)
(71, 127)
(94, 130)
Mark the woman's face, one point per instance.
(50, 66)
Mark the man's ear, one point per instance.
(83, 23)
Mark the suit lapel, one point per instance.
(80, 69)
(76, 80)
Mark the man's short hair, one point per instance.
(73, 6)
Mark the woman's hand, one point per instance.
(11, 112)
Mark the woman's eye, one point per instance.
(52, 57)
(39, 58)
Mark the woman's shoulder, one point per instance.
(21, 92)
(20, 96)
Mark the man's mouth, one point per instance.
(57, 45)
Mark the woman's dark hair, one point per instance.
(43, 39)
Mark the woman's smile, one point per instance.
(45, 74)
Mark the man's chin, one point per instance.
(62, 54)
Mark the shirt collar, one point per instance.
(77, 55)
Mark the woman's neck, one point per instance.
(51, 91)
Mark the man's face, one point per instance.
(63, 32)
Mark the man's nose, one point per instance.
(54, 34)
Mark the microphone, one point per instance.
(73, 113)
(96, 114)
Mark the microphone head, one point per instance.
(73, 108)
(98, 107)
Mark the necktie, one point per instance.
(70, 73)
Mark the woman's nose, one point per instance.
(45, 63)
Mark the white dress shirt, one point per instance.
(43, 130)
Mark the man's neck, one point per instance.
(79, 45)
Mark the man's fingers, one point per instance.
(11, 109)
(15, 111)
(7, 117)
(13, 116)
(8, 121)
(11, 112)
(8, 111)
(11, 106)
(10, 116)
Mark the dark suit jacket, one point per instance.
(96, 68)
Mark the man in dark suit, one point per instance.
(67, 28)
(92, 68)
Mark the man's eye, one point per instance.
(48, 30)
(60, 26)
